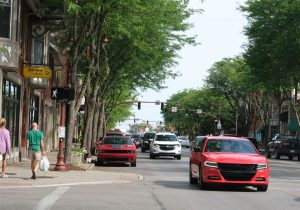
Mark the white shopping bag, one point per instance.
(44, 165)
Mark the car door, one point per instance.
(195, 158)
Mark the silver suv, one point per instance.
(165, 144)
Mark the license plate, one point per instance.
(292, 151)
(116, 146)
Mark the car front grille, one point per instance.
(237, 172)
(118, 151)
(167, 147)
(116, 159)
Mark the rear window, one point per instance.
(236, 146)
(117, 140)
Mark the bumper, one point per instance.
(159, 152)
(213, 175)
(116, 158)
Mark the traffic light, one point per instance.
(139, 105)
(134, 120)
(186, 112)
(147, 122)
(62, 93)
(162, 106)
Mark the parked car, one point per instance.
(228, 160)
(148, 137)
(184, 141)
(165, 144)
(283, 145)
(116, 149)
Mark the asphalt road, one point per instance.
(165, 187)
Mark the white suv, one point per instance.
(165, 144)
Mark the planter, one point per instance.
(76, 158)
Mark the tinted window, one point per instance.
(166, 138)
(117, 140)
(238, 146)
(5, 9)
(149, 135)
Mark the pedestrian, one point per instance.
(4, 146)
(35, 148)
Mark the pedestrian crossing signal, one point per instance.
(139, 105)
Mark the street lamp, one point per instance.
(240, 103)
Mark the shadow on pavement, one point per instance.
(185, 185)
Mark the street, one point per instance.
(164, 186)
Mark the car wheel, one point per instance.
(299, 157)
(291, 157)
(201, 183)
(152, 156)
(178, 157)
(276, 154)
(99, 163)
(143, 149)
(262, 188)
(133, 164)
(192, 179)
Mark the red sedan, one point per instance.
(116, 149)
(228, 160)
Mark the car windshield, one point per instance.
(149, 135)
(117, 140)
(166, 138)
(236, 146)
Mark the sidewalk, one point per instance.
(19, 176)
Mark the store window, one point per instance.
(5, 17)
(11, 109)
(34, 109)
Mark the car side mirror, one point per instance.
(150, 139)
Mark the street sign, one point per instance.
(199, 111)
(219, 126)
(174, 109)
(37, 72)
(61, 132)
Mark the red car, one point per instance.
(228, 160)
(116, 149)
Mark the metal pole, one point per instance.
(236, 122)
(60, 165)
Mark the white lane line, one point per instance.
(48, 201)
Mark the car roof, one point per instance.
(226, 138)
(165, 133)
(109, 137)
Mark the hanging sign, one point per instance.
(37, 72)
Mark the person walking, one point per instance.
(4, 146)
(35, 148)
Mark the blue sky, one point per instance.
(219, 30)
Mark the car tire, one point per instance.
(178, 157)
(262, 188)
(99, 163)
(152, 156)
(191, 178)
(133, 164)
(143, 149)
(298, 157)
(201, 183)
(291, 157)
(276, 154)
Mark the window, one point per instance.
(11, 109)
(5, 16)
(34, 109)
(38, 50)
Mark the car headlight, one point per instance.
(211, 164)
(262, 166)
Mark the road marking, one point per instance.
(48, 201)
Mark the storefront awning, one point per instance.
(293, 125)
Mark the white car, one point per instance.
(165, 144)
(184, 141)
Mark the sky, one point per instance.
(219, 30)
